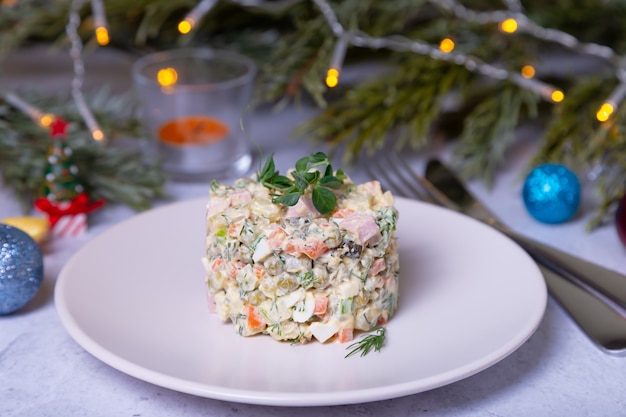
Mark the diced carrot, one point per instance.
(293, 247)
(259, 272)
(254, 319)
(229, 268)
(215, 266)
(345, 335)
(383, 318)
(324, 316)
(276, 238)
(235, 229)
(314, 248)
(321, 304)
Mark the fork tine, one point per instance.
(400, 178)
(405, 174)
(384, 170)
(434, 195)
(375, 172)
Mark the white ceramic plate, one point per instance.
(135, 298)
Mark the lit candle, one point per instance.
(193, 130)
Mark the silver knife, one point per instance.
(602, 283)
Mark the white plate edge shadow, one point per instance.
(280, 399)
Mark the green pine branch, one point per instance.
(402, 105)
(399, 106)
(489, 130)
(114, 172)
(596, 151)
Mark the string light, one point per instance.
(557, 96)
(195, 15)
(79, 71)
(508, 25)
(102, 31)
(510, 20)
(527, 71)
(336, 61)
(185, 26)
(545, 91)
(605, 111)
(332, 77)
(97, 135)
(446, 45)
(46, 119)
(525, 24)
(42, 119)
(471, 63)
(608, 107)
(550, 35)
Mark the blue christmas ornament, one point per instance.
(21, 268)
(551, 193)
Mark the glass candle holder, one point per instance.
(193, 105)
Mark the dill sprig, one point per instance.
(375, 341)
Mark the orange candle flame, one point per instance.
(193, 130)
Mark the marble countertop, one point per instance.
(44, 372)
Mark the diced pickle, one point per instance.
(255, 297)
(353, 250)
(286, 283)
(274, 265)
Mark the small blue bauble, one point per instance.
(551, 193)
(21, 268)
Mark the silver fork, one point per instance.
(605, 326)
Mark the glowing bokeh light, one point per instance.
(102, 36)
(167, 77)
(528, 71)
(97, 134)
(605, 111)
(557, 96)
(446, 45)
(46, 120)
(185, 26)
(508, 25)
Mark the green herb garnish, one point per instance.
(372, 341)
(305, 178)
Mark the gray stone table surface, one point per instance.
(44, 372)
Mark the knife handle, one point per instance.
(604, 326)
(604, 283)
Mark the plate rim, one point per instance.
(273, 398)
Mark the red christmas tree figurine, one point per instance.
(63, 197)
